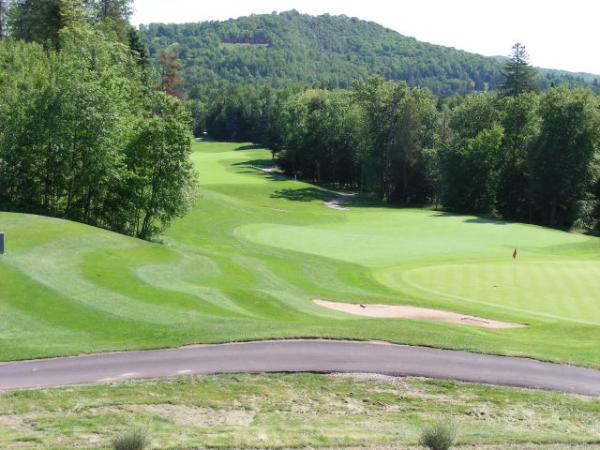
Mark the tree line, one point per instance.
(517, 153)
(85, 132)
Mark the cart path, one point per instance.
(321, 356)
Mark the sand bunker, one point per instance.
(273, 171)
(414, 312)
(337, 202)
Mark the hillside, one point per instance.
(291, 47)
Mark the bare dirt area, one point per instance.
(414, 312)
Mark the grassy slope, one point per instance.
(294, 411)
(246, 262)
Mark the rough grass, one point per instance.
(255, 250)
(294, 411)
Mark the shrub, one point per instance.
(136, 439)
(438, 436)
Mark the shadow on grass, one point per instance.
(253, 163)
(476, 220)
(487, 220)
(329, 192)
(304, 194)
(257, 167)
(248, 147)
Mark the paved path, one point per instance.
(300, 356)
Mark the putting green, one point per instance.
(554, 289)
(255, 250)
(380, 238)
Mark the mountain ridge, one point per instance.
(331, 50)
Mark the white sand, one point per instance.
(413, 312)
(336, 203)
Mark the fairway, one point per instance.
(255, 251)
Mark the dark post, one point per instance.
(1, 243)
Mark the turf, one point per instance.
(256, 248)
(296, 411)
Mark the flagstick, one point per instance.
(514, 269)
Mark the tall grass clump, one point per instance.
(136, 439)
(438, 436)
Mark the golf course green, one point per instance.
(255, 251)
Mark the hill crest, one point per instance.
(327, 50)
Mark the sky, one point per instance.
(558, 34)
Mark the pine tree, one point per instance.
(113, 9)
(519, 76)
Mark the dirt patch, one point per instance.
(16, 423)
(414, 312)
(387, 379)
(196, 416)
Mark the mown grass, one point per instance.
(256, 249)
(294, 411)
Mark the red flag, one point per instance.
(515, 254)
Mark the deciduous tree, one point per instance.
(562, 158)
(520, 120)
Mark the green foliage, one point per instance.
(470, 161)
(319, 144)
(519, 76)
(110, 9)
(244, 113)
(138, 48)
(36, 21)
(74, 136)
(470, 171)
(481, 153)
(347, 138)
(561, 160)
(324, 51)
(136, 439)
(438, 436)
(520, 119)
(399, 123)
(41, 21)
(160, 180)
(474, 114)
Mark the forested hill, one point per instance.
(290, 47)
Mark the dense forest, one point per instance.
(85, 131)
(333, 51)
(518, 153)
